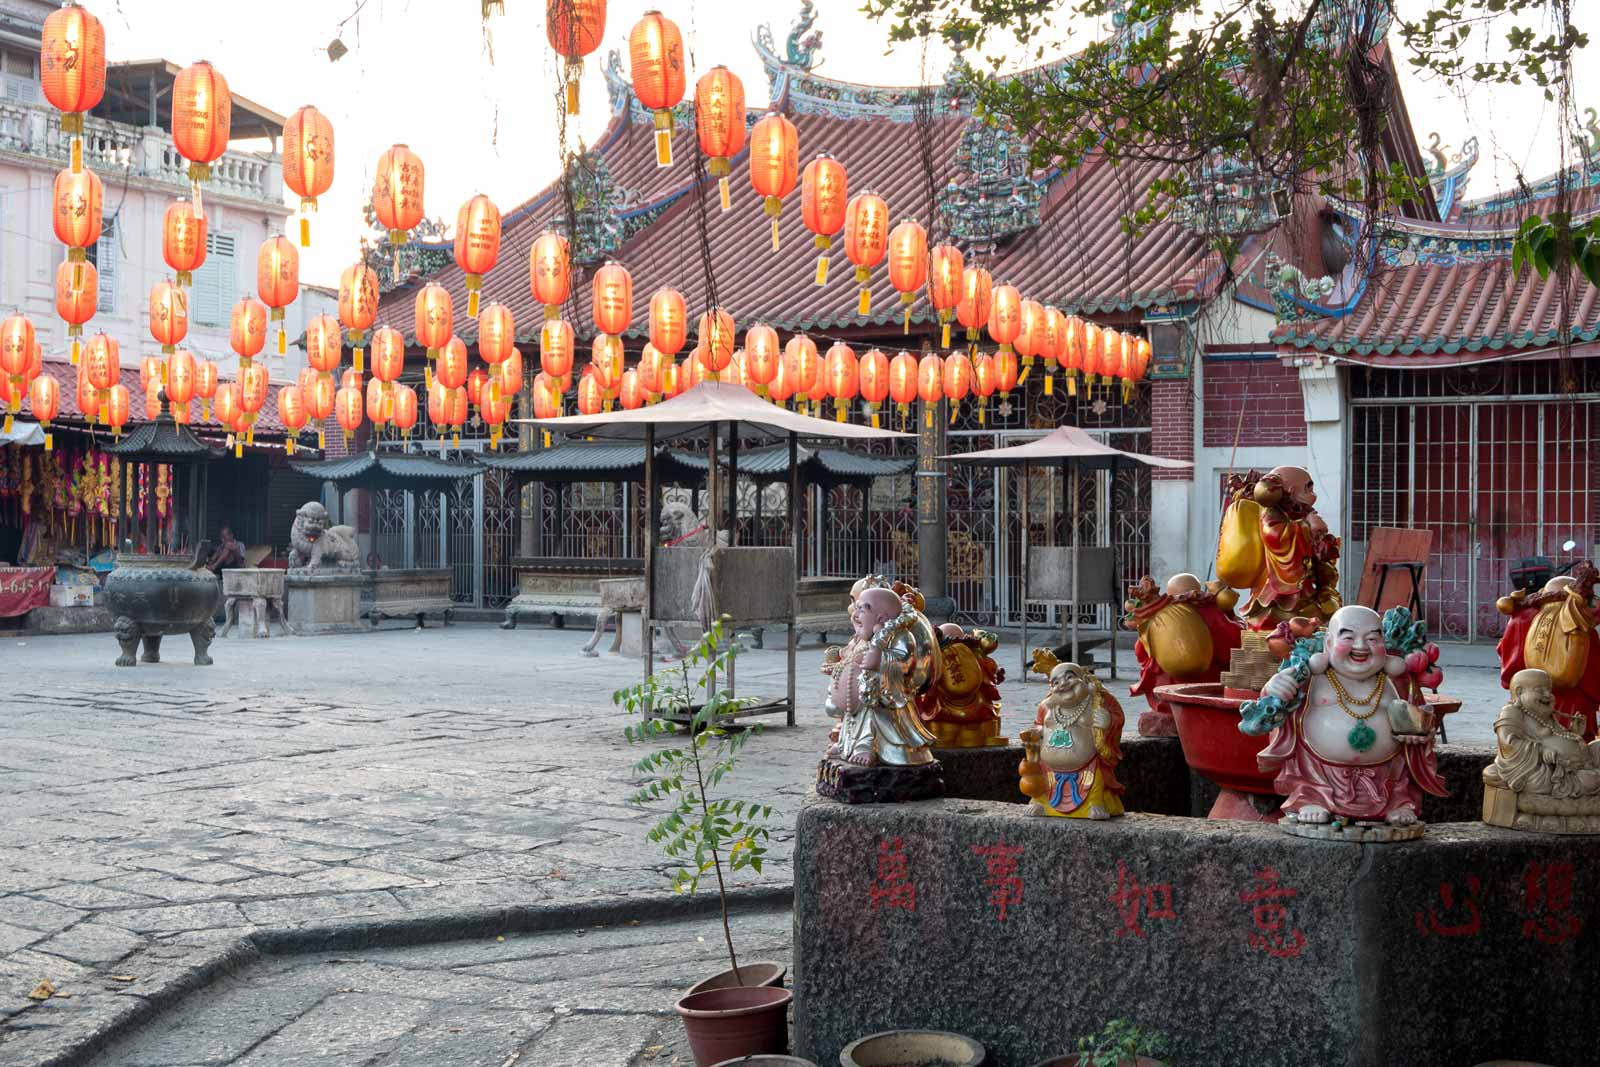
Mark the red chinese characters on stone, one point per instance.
(1001, 878)
(1454, 917)
(1132, 899)
(892, 886)
(1547, 903)
(1275, 932)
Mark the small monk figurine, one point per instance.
(1185, 635)
(1344, 744)
(1274, 543)
(1554, 630)
(877, 676)
(1070, 754)
(962, 709)
(1544, 775)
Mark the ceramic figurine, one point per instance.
(962, 708)
(1544, 775)
(1185, 635)
(1345, 746)
(1275, 544)
(1070, 754)
(1554, 631)
(880, 750)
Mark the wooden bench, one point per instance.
(407, 593)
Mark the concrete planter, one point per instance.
(913, 1048)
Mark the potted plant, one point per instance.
(1120, 1043)
(706, 833)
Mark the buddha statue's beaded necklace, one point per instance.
(1361, 736)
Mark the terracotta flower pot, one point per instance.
(736, 1021)
(754, 973)
(913, 1048)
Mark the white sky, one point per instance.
(418, 73)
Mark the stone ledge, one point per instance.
(1435, 952)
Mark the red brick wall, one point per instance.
(1272, 392)
(1172, 425)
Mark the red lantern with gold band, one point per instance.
(494, 407)
(1091, 357)
(16, 357)
(843, 372)
(477, 244)
(278, 280)
(169, 315)
(508, 374)
(380, 404)
(866, 239)
(102, 364)
(497, 334)
(1052, 343)
(590, 396)
(405, 409)
(308, 161)
(762, 354)
(114, 408)
(476, 378)
(908, 263)
(348, 407)
(75, 199)
(716, 338)
(550, 272)
(247, 328)
(655, 52)
(202, 118)
(324, 343)
(453, 364)
(612, 299)
(605, 365)
(205, 385)
(874, 378)
(88, 396)
(669, 322)
(782, 385)
(546, 397)
(824, 195)
(435, 323)
(774, 164)
(397, 190)
(957, 380)
(557, 345)
(631, 392)
(802, 353)
(945, 272)
(181, 377)
(930, 384)
(358, 305)
(292, 413)
(76, 304)
(183, 240)
(72, 68)
(388, 354)
(976, 302)
(1005, 316)
(719, 122)
(574, 28)
(44, 400)
(1032, 321)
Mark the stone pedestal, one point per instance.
(406, 593)
(323, 601)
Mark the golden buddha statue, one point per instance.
(962, 707)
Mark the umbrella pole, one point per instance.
(733, 524)
(1074, 491)
(647, 628)
(1023, 508)
(794, 542)
(713, 489)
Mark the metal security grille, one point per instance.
(463, 540)
(501, 502)
(1499, 462)
(389, 526)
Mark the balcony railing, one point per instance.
(111, 148)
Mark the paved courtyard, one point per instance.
(155, 814)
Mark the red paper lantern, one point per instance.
(819, 389)
(508, 374)
(824, 194)
(655, 49)
(494, 407)
(496, 334)
(253, 388)
(694, 368)
(574, 29)
(719, 122)
(843, 373)
(550, 272)
(632, 392)
(397, 192)
(976, 302)
(1091, 355)
(151, 369)
(649, 368)
(405, 409)
(945, 272)
(102, 361)
(292, 413)
(202, 117)
(114, 409)
(16, 358)
(774, 164)
(612, 297)
(716, 339)
(351, 378)
(44, 400)
(435, 323)
(453, 363)
(1005, 315)
(169, 315)
(247, 328)
(183, 239)
(76, 302)
(957, 378)
(556, 348)
(88, 395)
(762, 355)
(347, 406)
(475, 382)
(181, 370)
(477, 244)
(358, 304)
(984, 377)
(590, 395)
(278, 280)
(874, 374)
(866, 239)
(802, 354)
(72, 68)
(1030, 331)
(669, 321)
(378, 404)
(388, 354)
(75, 199)
(324, 343)
(908, 263)
(546, 397)
(930, 378)
(308, 161)
(605, 363)
(205, 382)
(782, 385)
(320, 402)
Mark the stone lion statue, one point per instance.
(681, 526)
(313, 543)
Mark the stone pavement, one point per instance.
(155, 814)
(600, 997)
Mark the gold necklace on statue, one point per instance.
(1361, 736)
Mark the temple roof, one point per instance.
(163, 441)
(385, 470)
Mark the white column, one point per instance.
(1322, 389)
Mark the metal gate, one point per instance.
(1497, 461)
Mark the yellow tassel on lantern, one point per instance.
(77, 349)
(305, 232)
(288, 445)
(427, 376)
(77, 155)
(773, 207)
(955, 409)
(1072, 383)
(455, 439)
(838, 410)
(49, 442)
(864, 304)
(322, 439)
(7, 428)
(875, 420)
(1049, 383)
(238, 449)
(663, 138)
(283, 341)
(929, 411)
(360, 359)
(822, 270)
(944, 337)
